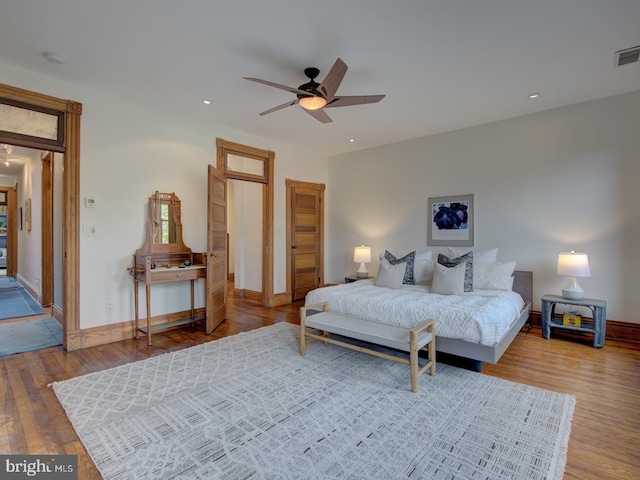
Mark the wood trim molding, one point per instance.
(248, 295)
(70, 202)
(92, 337)
(224, 148)
(46, 222)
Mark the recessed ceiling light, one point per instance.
(534, 95)
(207, 101)
(352, 140)
(54, 58)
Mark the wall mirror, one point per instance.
(164, 225)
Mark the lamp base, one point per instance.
(572, 290)
(362, 271)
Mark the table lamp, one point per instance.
(362, 255)
(572, 264)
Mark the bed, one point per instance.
(478, 325)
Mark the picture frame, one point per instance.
(27, 214)
(450, 221)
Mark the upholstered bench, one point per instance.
(409, 340)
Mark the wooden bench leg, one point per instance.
(432, 353)
(413, 360)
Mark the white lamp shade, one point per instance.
(362, 254)
(572, 264)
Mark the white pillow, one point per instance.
(423, 271)
(478, 255)
(423, 268)
(493, 275)
(390, 276)
(449, 281)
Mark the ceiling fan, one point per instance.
(314, 97)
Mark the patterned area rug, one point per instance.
(249, 406)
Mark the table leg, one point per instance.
(135, 303)
(148, 313)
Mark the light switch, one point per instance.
(89, 230)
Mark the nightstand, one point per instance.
(597, 325)
(354, 279)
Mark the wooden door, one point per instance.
(216, 305)
(306, 240)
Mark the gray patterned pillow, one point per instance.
(409, 259)
(468, 271)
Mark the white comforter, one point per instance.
(482, 316)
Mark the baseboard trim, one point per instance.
(248, 295)
(616, 330)
(92, 337)
(280, 299)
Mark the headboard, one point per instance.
(523, 284)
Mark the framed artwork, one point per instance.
(450, 221)
(27, 214)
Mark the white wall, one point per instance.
(247, 222)
(564, 179)
(128, 151)
(30, 241)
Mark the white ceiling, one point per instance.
(443, 65)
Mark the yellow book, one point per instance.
(572, 320)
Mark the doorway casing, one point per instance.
(266, 157)
(70, 113)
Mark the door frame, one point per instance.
(267, 157)
(290, 186)
(46, 243)
(70, 113)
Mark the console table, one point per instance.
(597, 326)
(153, 269)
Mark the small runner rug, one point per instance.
(250, 406)
(29, 335)
(16, 302)
(7, 282)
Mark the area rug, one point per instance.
(7, 282)
(16, 302)
(29, 335)
(250, 406)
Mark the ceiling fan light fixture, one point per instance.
(312, 103)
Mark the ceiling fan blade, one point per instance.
(279, 107)
(277, 85)
(319, 115)
(354, 100)
(331, 82)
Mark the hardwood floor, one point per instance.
(605, 431)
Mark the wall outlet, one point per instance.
(89, 230)
(109, 306)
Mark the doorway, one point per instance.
(249, 164)
(63, 137)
